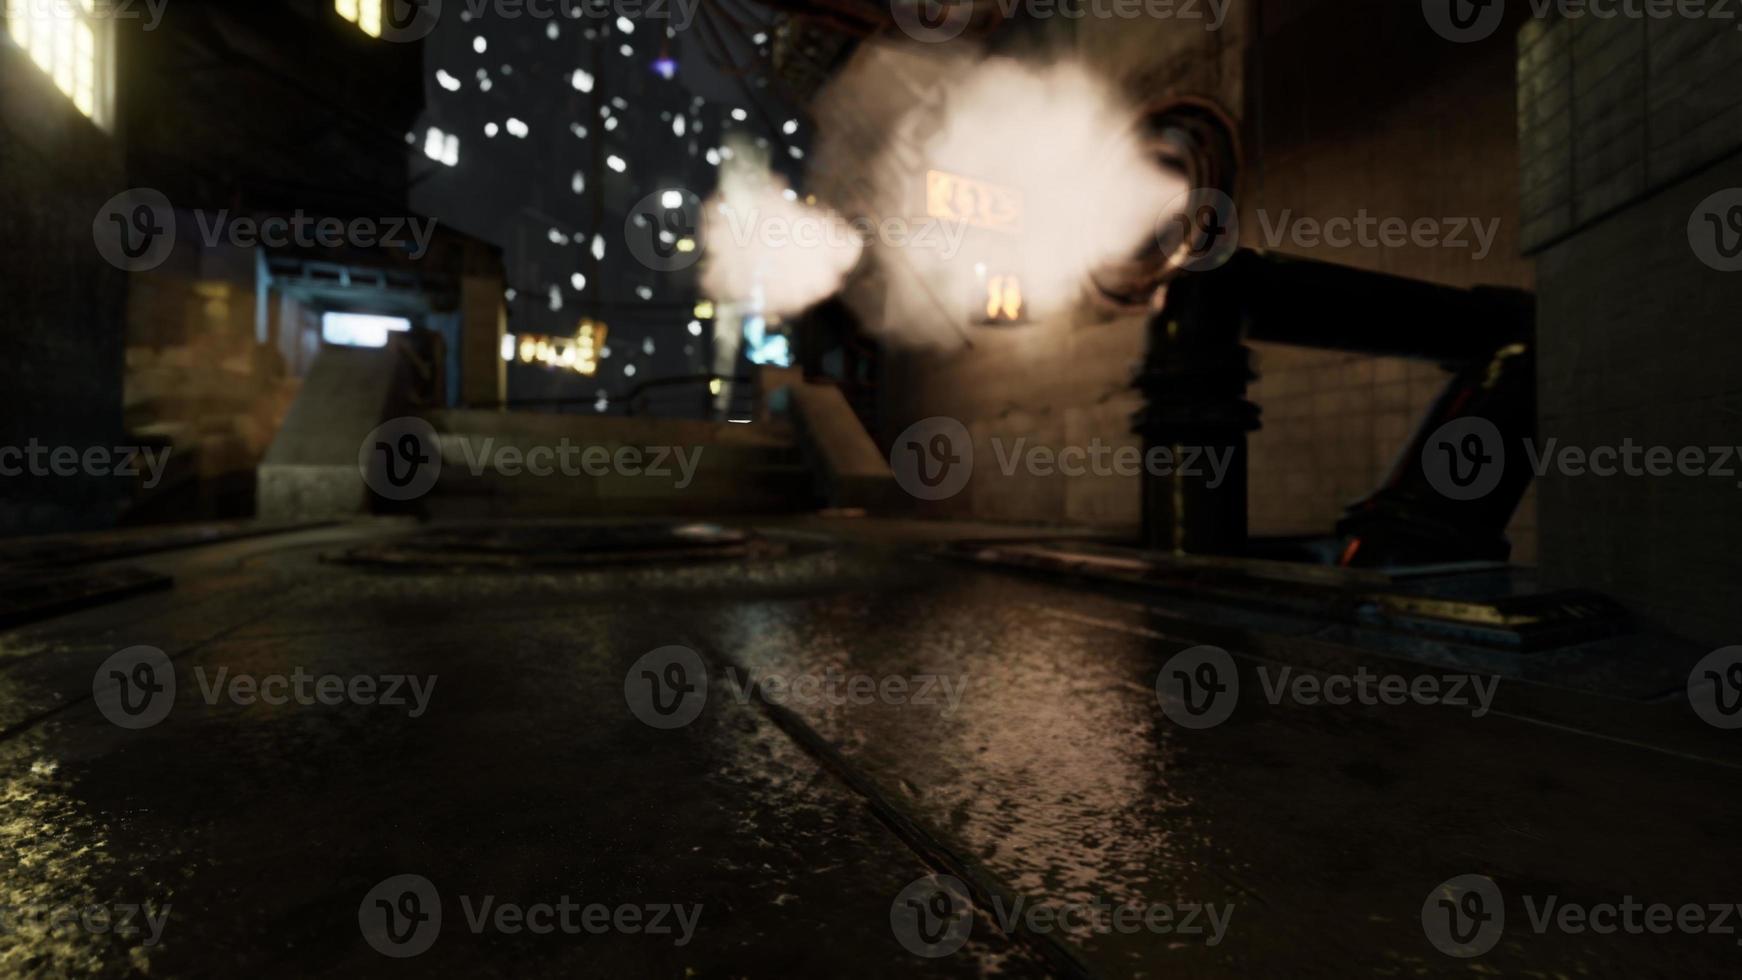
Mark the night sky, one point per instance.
(564, 125)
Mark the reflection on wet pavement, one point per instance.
(1014, 723)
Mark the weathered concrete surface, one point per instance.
(850, 470)
(310, 472)
(1051, 769)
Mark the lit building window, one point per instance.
(71, 43)
(442, 147)
(360, 329)
(366, 14)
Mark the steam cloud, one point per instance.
(1052, 136)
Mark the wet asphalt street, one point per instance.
(519, 776)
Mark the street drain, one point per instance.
(557, 546)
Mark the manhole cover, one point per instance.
(557, 546)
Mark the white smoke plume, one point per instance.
(1044, 179)
(765, 249)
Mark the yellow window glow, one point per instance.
(369, 18)
(66, 41)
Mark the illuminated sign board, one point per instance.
(952, 197)
(579, 353)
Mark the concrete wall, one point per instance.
(60, 302)
(1638, 125)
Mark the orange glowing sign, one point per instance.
(952, 197)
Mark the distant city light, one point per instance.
(360, 329)
(667, 69)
